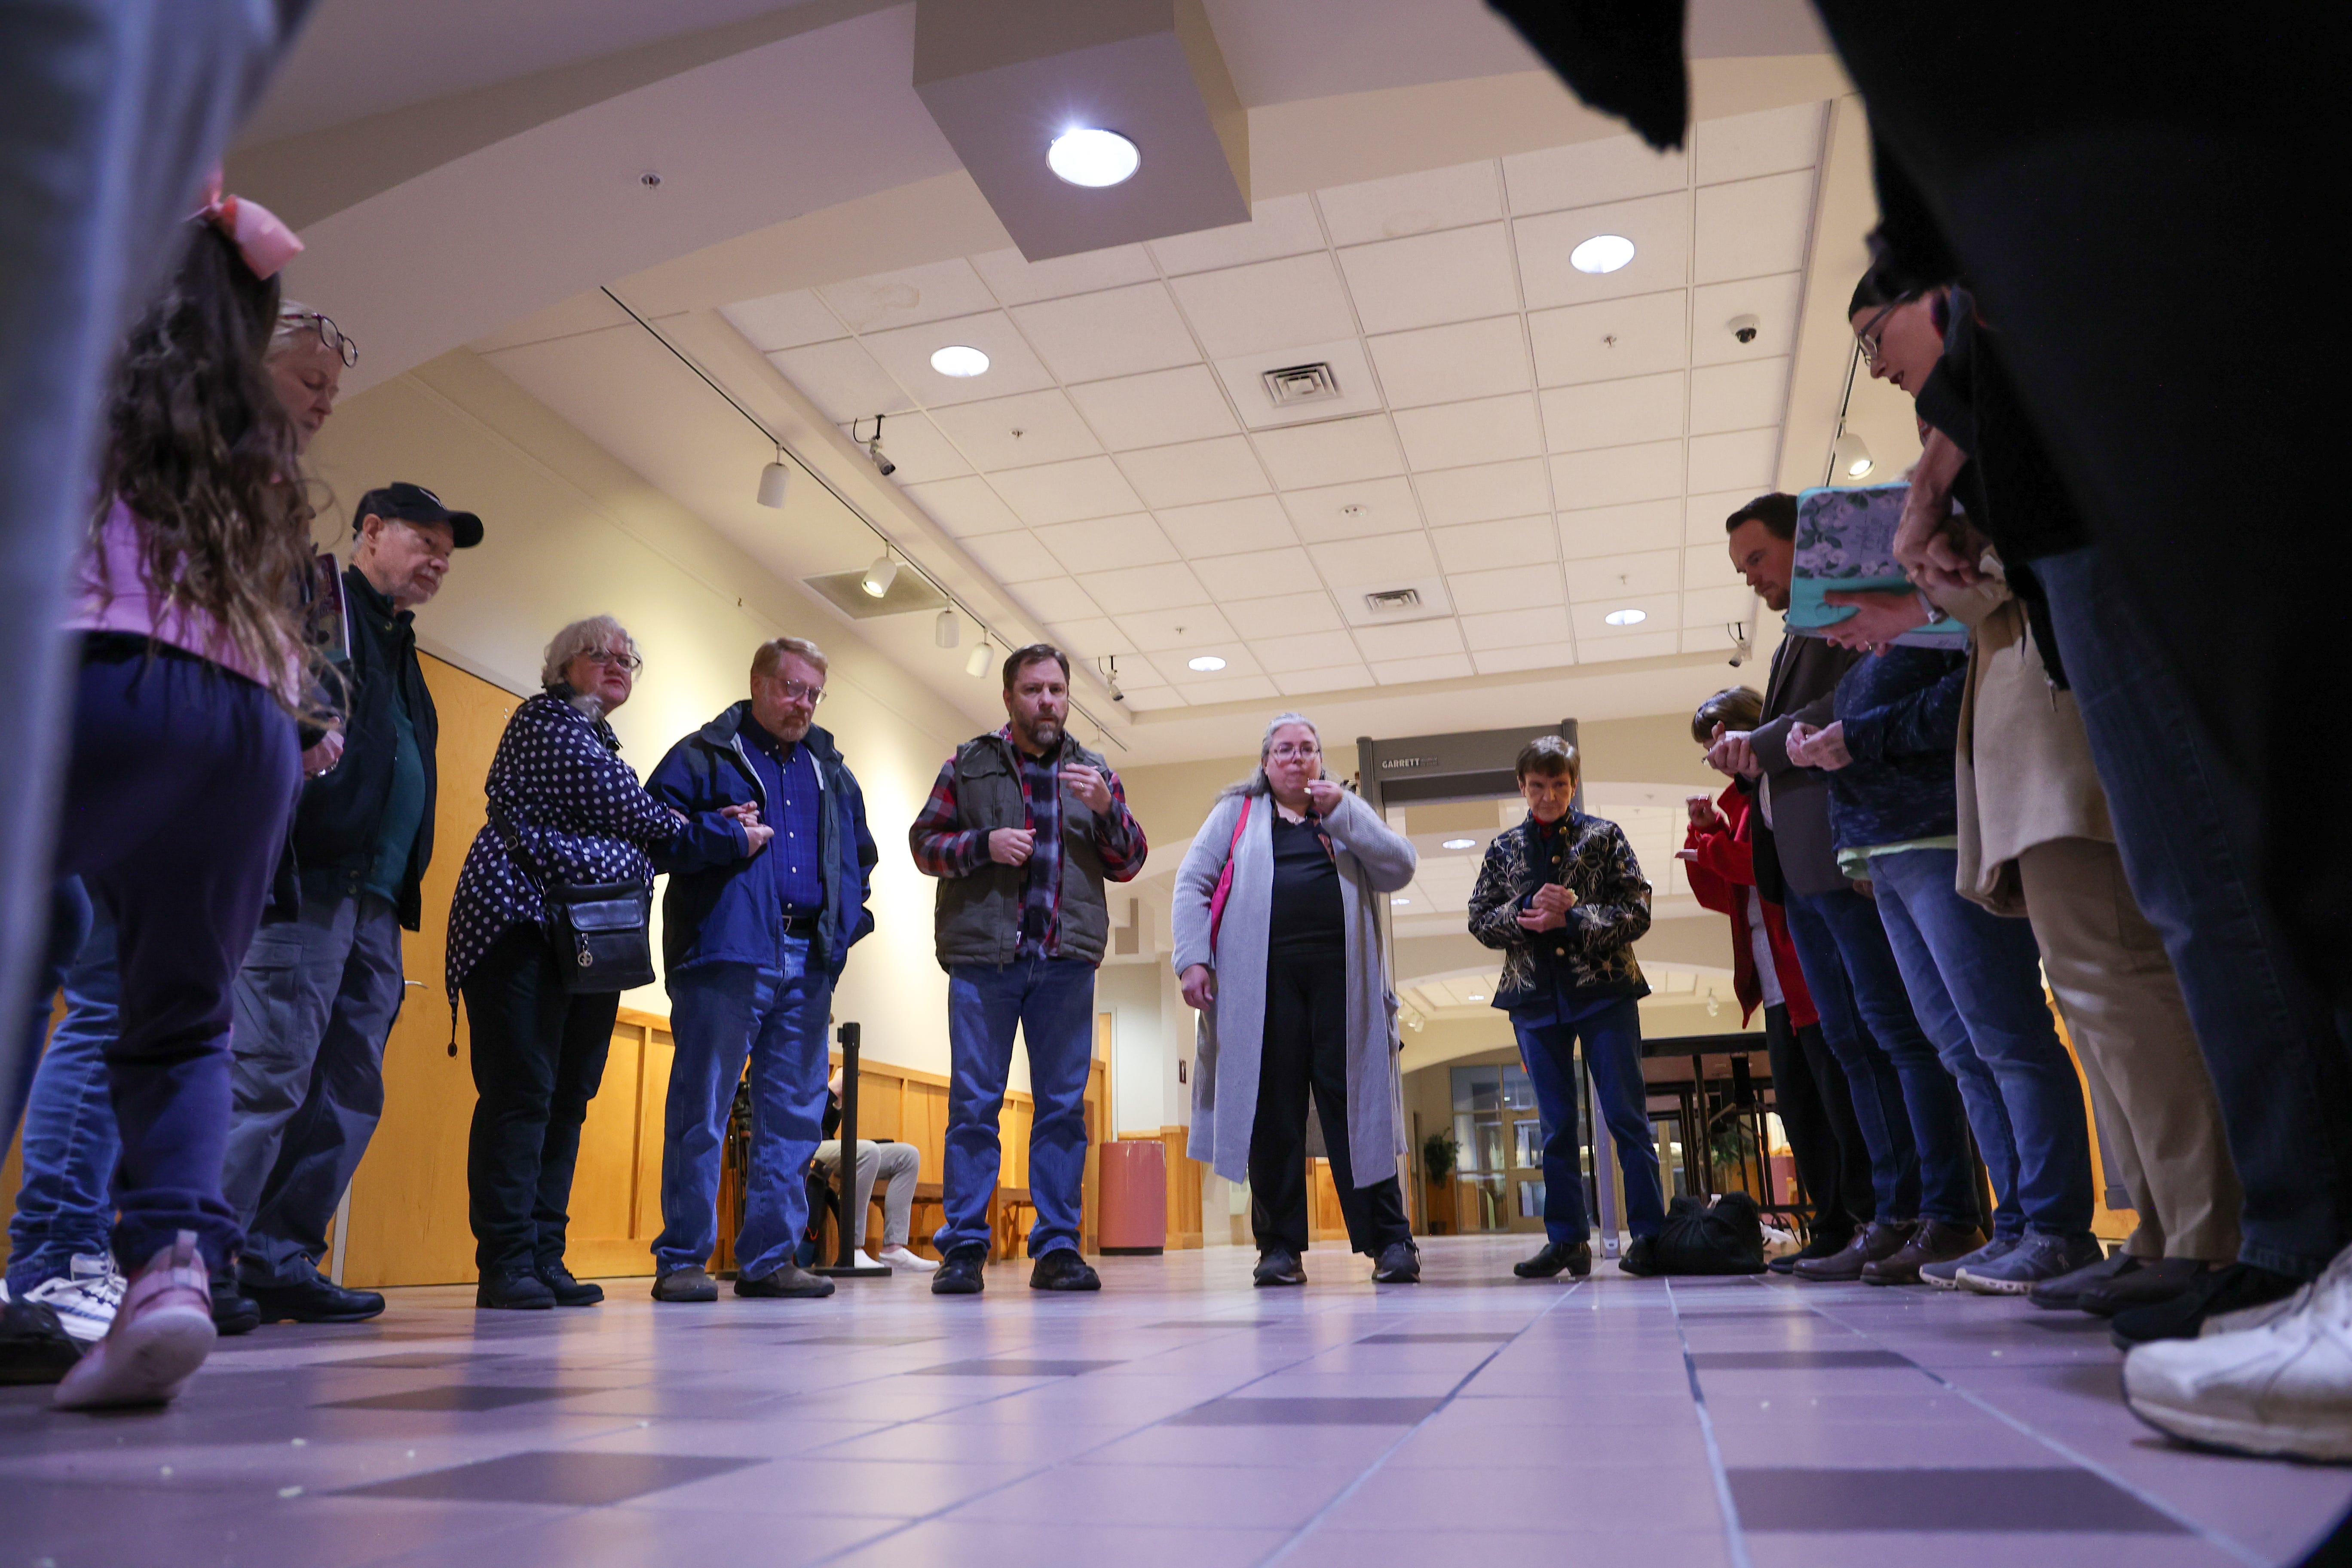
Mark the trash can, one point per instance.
(1134, 1199)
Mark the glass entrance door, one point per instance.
(1500, 1183)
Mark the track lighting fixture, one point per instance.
(981, 657)
(880, 575)
(1851, 457)
(946, 629)
(771, 482)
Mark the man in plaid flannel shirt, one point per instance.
(1022, 829)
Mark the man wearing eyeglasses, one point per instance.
(751, 948)
(322, 982)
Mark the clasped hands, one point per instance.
(1013, 846)
(747, 817)
(1823, 748)
(1547, 910)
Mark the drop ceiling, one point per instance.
(1529, 447)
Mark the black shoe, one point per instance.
(1276, 1266)
(786, 1280)
(513, 1290)
(1063, 1270)
(2231, 1290)
(684, 1285)
(315, 1301)
(1576, 1256)
(568, 1291)
(959, 1272)
(233, 1312)
(34, 1346)
(1398, 1263)
(1641, 1259)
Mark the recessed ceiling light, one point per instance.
(1626, 617)
(1477, 996)
(1206, 662)
(960, 360)
(1461, 844)
(1601, 253)
(1086, 156)
(1400, 900)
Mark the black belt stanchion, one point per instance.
(852, 1217)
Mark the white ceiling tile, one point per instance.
(1585, 172)
(906, 351)
(1415, 639)
(1267, 305)
(1013, 557)
(1636, 642)
(1010, 432)
(1095, 638)
(1504, 588)
(1709, 567)
(1360, 562)
(1710, 636)
(1753, 228)
(1304, 650)
(1140, 669)
(1195, 472)
(1475, 547)
(1435, 667)
(1291, 612)
(1245, 381)
(1613, 413)
(1720, 603)
(841, 379)
(1517, 628)
(1353, 511)
(1739, 396)
(1058, 601)
(1446, 364)
(1225, 686)
(786, 321)
(1618, 530)
(1156, 629)
(1144, 699)
(1155, 410)
(1120, 331)
(1339, 452)
(1261, 574)
(1106, 544)
(1777, 303)
(1742, 146)
(1227, 527)
(1734, 458)
(1509, 660)
(1455, 274)
(1702, 515)
(1662, 613)
(1622, 579)
(1412, 204)
(932, 292)
(1483, 493)
(1615, 475)
(1066, 492)
(917, 448)
(1659, 228)
(1485, 430)
(1336, 677)
(1640, 336)
(1283, 226)
(1134, 591)
(965, 507)
(1016, 280)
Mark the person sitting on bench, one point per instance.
(902, 1163)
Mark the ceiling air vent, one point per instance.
(1392, 601)
(1301, 383)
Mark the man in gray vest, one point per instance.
(1022, 829)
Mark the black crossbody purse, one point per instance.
(601, 931)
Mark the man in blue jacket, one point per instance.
(751, 948)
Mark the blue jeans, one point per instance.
(722, 1015)
(1975, 984)
(1052, 1000)
(66, 1203)
(1612, 1031)
(2280, 1069)
(1872, 1084)
(315, 1002)
(1931, 1100)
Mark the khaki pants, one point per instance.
(2149, 1087)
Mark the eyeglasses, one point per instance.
(801, 691)
(611, 660)
(1289, 753)
(331, 335)
(1868, 336)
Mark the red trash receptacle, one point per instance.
(1134, 1199)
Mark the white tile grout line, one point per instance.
(1734, 1539)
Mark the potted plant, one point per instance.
(1439, 1152)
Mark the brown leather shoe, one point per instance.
(1880, 1238)
(1933, 1241)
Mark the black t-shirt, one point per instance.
(1305, 915)
(2011, 489)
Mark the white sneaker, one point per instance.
(858, 1259)
(85, 1299)
(2282, 1388)
(899, 1257)
(160, 1335)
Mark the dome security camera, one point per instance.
(1745, 328)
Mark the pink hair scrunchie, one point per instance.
(259, 236)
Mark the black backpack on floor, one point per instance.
(1725, 1238)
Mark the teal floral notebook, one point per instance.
(1845, 543)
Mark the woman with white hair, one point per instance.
(566, 816)
(1277, 919)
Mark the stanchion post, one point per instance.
(853, 1217)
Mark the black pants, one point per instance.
(539, 1057)
(1809, 1095)
(1306, 1045)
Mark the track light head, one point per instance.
(771, 484)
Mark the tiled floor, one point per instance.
(1180, 1418)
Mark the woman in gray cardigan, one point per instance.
(1292, 987)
